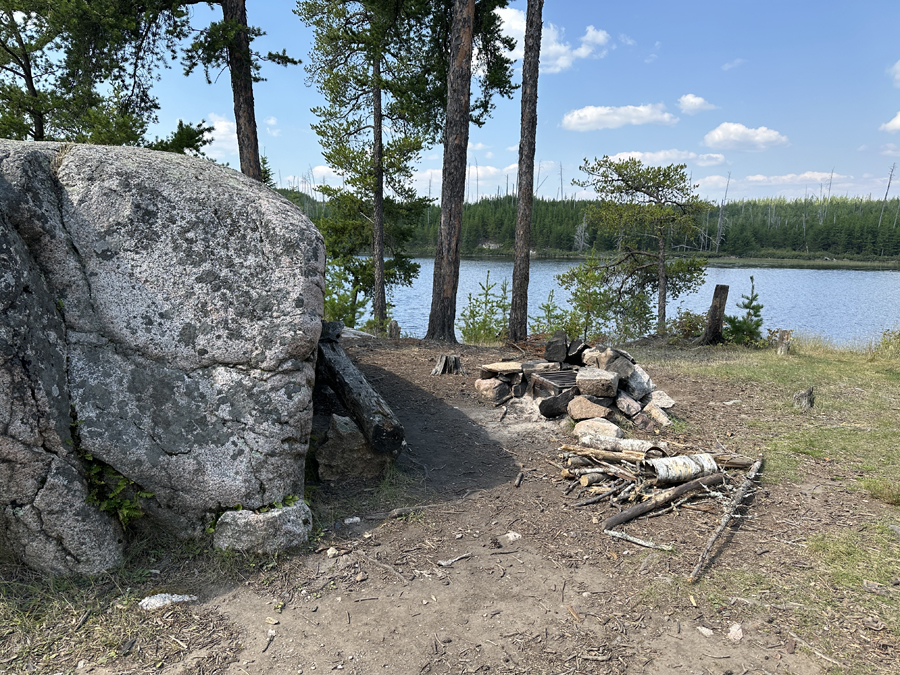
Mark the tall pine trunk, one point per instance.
(379, 301)
(442, 316)
(518, 313)
(239, 64)
(663, 279)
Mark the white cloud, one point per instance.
(512, 168)
(625, 40)
(734, 136)
(650, 59)
(690, 104)
(477, 146)
(892, 126)
(713, 182)
(805, 178)
(672, 156)
(894, 71)
(592, 117)
(272, 126)
(316, 176)
(489, 155)
(556, 54)
(224, 138)
(733, 64)
(481, 172)
(513, 148)
(890, 150)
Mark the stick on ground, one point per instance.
(735, 505)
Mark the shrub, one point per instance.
(551, 319)
(687, 324)
(486, 315)
(746, 329)
(888, 347)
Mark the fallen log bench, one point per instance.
(375, 419)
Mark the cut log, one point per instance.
(620, 445)
(661, 499)
(606, 455)
(394, 330)
(368, 409)
(447, 364)
(716, 317)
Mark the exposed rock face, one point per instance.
(170, 307)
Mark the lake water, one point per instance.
(846, 306)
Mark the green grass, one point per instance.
(854, 424)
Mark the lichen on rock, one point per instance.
(175, 306)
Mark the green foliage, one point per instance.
(112, 492)
(746, 329)
(687, 324)
(603, 304)
(551, 319)
(211, 46)
(348, 231)
(344, 301)
(187, 139)
(645, 207)
(485, 316)
(267, 177)
(888, 346)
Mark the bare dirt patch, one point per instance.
(563, 598)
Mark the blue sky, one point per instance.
(777, 94)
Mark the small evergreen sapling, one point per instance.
(746, 329)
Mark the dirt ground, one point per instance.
(537, 587)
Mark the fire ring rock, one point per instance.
(159, 314)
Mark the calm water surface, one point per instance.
(844, 305)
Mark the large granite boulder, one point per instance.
(158, 314)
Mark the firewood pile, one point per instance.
(603, 390)
(652, 478)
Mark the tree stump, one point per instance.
(804, 400)
(783, 346)
(448, 364)
(394, 330)
(715, 318)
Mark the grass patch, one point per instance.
(50, 624)
(856, 418)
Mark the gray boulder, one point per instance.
(638, 384)
(554, 406)
(584, 408)
(493, 390)
(270, 532)
(168, 309)
(557, 347)
(597, 382)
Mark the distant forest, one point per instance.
(848, 227)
